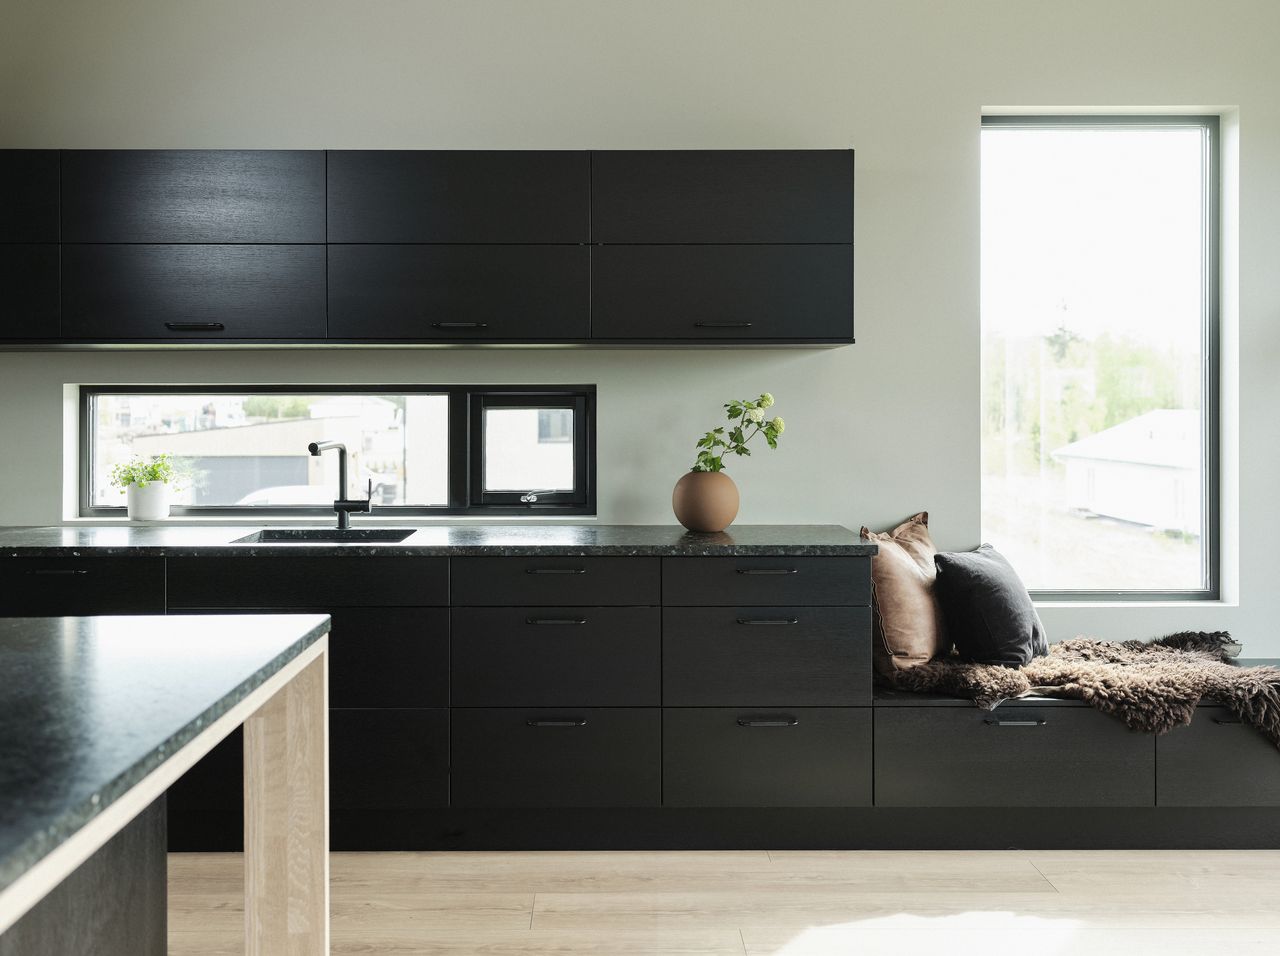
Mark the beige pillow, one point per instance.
(908, 626)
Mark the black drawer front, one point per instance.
(1217, 761)
(563, 757)
(673, 293)
(722, 196)
(389, 657)
(205, 195)
(459, 292)
(766, 656)
(193, 292)
(29, 276)
(28, 195)
(767, 582)
(283, 582)
(388, 759)
(547, 582)
(518, 196)
(540, 656)
(1016, 756)
(786, 757)
(206, 804)
(42, 587)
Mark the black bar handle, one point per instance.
(555, 570)
(459, 325)
(570, 722)
(59, 571)
(782, 720)
(768, 620)
(994, 722)
(1227, 720)
(767, 571)
(722, 325)
(195, 326)
(552, 621)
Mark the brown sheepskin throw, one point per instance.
(1152, 686)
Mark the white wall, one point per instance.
(875, 431)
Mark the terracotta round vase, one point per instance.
(705, 501)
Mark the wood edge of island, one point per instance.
(44, 876)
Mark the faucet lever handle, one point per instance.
(368, 495)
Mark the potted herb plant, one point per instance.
(706, 499)
(146, 485)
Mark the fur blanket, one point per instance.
(1152, 686)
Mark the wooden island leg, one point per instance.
(286, 819)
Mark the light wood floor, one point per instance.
(760, 903)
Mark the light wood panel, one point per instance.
(286, 819)
(762, 903)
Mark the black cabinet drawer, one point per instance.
(1216, 761)
(206, 804)
(767, 582)
(722, 196)
(298, 581)
(1016, 756)
(28, 195)
(479, 292)
(675, 293)
(536, 656)
(389, 657)
(388, 759)
(193, 292)
(544, 582)
(766, 656)
(517, 196)
(29, 276)
(41, 587)
(200, 195)
(790, 757)
(566, 757)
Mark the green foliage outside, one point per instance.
(746, 422)
(277, 406)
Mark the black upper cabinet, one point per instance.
(458, 196)
(177, 292)
(183, 195)
(28, 195)
(29, 276)
(722, 292)
(722, 196)
(459, 292)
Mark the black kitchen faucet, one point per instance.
(343, 505)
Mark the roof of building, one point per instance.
(1166, 438)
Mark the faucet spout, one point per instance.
(342, 504)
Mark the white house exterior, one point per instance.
(1145, 470)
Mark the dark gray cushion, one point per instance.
(986, 608)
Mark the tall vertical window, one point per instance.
(1099, 352)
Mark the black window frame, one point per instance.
(464, 451)
(1210, 331)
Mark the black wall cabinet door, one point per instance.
(176, 292)
(445, 292)
(722, 196)
(673, 293)
(29, 277)
(193, 195)
(28, 195)
(458, 196)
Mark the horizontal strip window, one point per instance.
(416, 450)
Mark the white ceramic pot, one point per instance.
(148, 502)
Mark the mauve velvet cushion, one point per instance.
(908, 626)
(988, 611)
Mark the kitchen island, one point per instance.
(99, 716)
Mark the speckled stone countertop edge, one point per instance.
(40, 844)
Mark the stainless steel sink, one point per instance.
(322, 535)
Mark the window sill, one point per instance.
(269, 521)
(1059, 605)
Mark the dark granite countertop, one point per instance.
(90, 706)
(175, 540)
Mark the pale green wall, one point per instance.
(875, 431)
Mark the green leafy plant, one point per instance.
(138, 472)
(746, 421)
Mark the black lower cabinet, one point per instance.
(1015, 756)
(789, 757)
(206, 804)
(1216, 761)
(566, 757)
(388, 759)
(53, 587)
